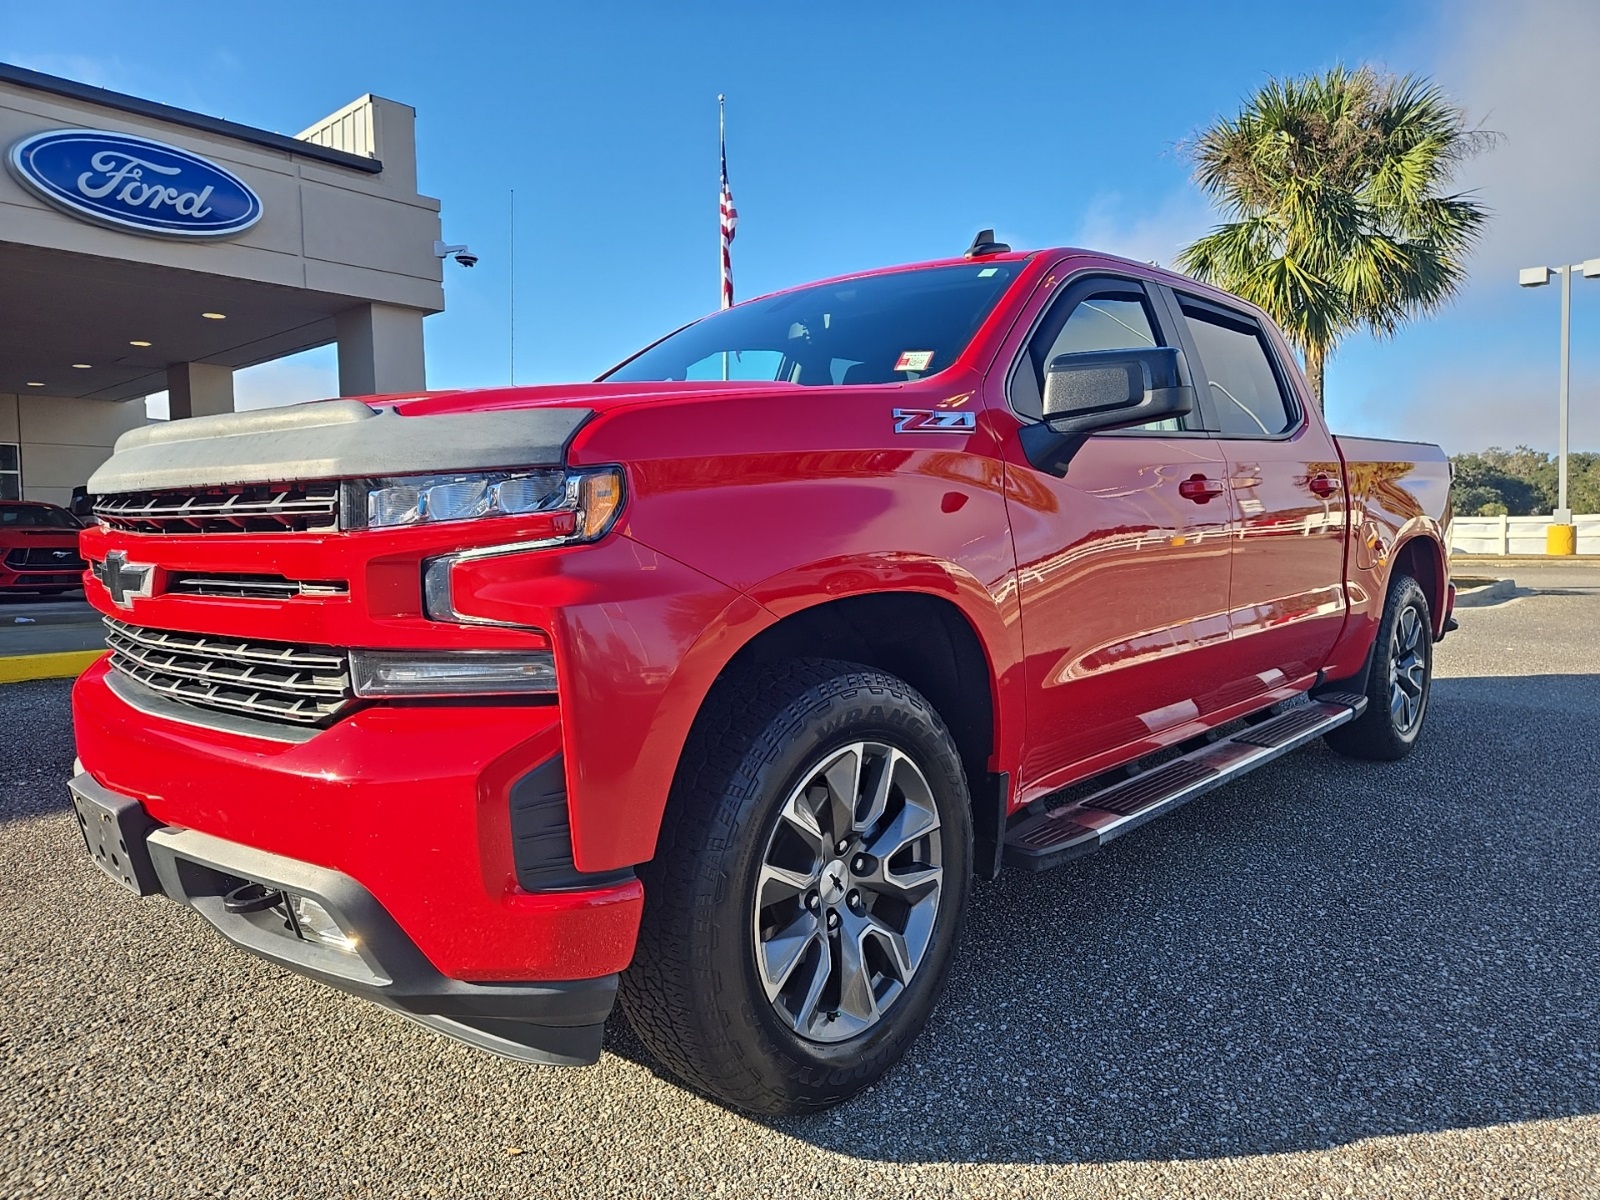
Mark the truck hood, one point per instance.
(381, 435)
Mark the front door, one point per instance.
(1123, 562)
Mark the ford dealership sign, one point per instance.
(134, 184)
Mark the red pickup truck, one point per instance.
(713, 684)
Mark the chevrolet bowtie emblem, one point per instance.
(123, 579)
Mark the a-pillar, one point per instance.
(380, 350)
(198, 390)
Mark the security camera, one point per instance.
(462, 255)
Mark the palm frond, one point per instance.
(1334, 189)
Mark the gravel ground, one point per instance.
(1329, 979)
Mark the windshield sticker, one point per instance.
(988, 271)
(921, 420)
(913, 360)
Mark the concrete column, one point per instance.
(380, 350)
(198, 390)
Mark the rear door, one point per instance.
(1288, 509)
(1123, 561)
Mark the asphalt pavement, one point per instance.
(1329, 979)
(47, 624)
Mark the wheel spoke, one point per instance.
(779, 883)
(857, 997)
(881, 778)
(910, 823)
(784, 950)
(805, 1016)
(843, 779)
(893, 943)
(800, 815)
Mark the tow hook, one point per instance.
(252, 897)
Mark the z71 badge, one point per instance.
(922, 420)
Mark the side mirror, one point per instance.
(1113, 389)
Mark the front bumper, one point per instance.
(412, 801)
(558, 1023)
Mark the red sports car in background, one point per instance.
(38, 548)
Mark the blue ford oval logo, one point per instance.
(135, 184)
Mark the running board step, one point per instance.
(1048, 839)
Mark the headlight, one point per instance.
(581, 503)
(452, 673)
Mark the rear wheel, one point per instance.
(1399, 683)
(805, 899)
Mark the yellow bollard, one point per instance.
(1561, 539)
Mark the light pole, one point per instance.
(1562, 537)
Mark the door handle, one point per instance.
(1200, 489)
(1324, 485)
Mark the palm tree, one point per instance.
(1331, 186)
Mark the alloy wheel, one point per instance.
(847, 897)
(1408, 670)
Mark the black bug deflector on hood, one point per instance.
(331, 439)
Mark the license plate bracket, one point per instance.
(114, 829)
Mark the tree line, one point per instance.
(1522, 483)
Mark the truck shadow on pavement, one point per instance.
(1326, 951)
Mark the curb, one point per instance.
(1524, 560)
(65, 664)
(1489, 593)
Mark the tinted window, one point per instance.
(1115, 319)
(29, 516)
(876, 329)
(1244, 388)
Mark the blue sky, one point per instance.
(862, 134)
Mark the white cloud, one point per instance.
(1119, 225)
(96, 72)
(1526, 70)
(1465, 410)
(310, 375)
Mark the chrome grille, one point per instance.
(273, 681)
(245, 508)
(251, 587)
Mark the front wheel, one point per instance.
(808, 889)
(1399, 683)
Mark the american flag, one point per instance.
(728, 216)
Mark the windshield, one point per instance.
(876, 329)
(13, 516)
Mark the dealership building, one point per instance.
(144, 248)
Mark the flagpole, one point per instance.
(511, 281)
(722, 147)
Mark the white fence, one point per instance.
(1517, 535)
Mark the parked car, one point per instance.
(38, 548)
(721, 678)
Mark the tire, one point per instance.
(713, 991)
(1400, 682)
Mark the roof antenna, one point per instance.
(984, 244)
